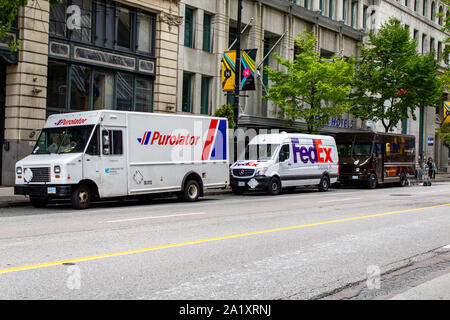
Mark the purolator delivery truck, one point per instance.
(103, 154)
(286, 160)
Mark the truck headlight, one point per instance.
(261, 172)
(57, 169)
(357, 169)
(19, 170)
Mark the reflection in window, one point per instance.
(103, 91)
(124, 28)
(124, 91)
(83, 32)
(145, 33)
(144, 89)
(57, 22)
(57, 85)
(189, 28)
(79, 88)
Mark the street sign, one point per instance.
(447, 111)
(229, 70)
(248, 69)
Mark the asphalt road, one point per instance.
(345, 243)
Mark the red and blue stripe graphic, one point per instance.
(145, 138)
(215, 144)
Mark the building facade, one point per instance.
(166, 56)
(85, 55)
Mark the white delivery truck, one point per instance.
(286, 160)
(102, 154)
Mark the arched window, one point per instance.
(433, 11)
(307, 4)
(441, 14)
(416, 5)
(321, 6)
(424, 8)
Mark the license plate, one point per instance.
(51, 190)
(241, 183)
(355, 177)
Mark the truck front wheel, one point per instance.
(81, 197)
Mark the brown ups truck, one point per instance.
(375, 158)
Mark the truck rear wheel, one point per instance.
(191, 191)
(81, 197)
(324, 184)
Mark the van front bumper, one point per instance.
(263, 182)
(44, 191)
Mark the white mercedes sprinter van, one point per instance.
(284, 160)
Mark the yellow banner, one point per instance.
(447, 111)
(229, 70)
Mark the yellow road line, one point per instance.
(246, 234)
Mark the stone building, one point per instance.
(85, 55)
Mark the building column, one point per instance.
(26, 87)
(359, 25)
(339, 10)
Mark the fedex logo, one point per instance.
(64, 122)
(314, 154)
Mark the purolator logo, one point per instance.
(65, 122)
(167, 139)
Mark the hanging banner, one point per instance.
(447, 111)
(248, 69)
(229, 70)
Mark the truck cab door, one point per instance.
(113, 165)
(285, 166)
(379, 160)
(92, 159)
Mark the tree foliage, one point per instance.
(226, 111)
(312, 88)
(392, 79)
(9, 10)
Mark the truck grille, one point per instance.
(243, 172)
(41, 174)
(346, 168)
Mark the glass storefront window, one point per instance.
(144, 90)
(57, 23)
(124, 91)
(79, 88)
(80, 21)
(57, 85)
(103, 91)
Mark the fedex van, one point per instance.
(93, 155)
(286, 160)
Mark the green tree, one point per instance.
(392, 79)
(312, 88)
(226, 111)
(9, 10)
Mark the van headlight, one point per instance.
(57, 169)
(261, 172)
(19, 170)
(357, 169)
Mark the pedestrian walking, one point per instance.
(431, 168)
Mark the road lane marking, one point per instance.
(334, 200)
(156, 217)
(239, 235)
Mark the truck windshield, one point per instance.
(63, 140)
(262, 152)
(347, 149)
